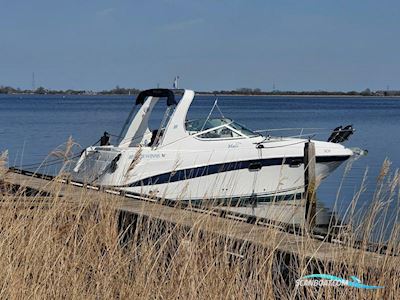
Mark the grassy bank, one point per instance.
(54, 248)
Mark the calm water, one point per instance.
(32, 126)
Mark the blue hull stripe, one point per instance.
(245, 200)
(185, 174)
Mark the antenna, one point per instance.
(33, 82)
(176, 83)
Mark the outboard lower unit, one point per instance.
(341, 134)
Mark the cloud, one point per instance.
(182, 25)
(105, 12)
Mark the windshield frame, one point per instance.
(227, 123)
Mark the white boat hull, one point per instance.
(200, 175)
(202, 159)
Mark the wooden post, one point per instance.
(310, 185)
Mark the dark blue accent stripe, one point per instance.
(245, 200)
(185, 174)
(321, 159)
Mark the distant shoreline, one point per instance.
(301, 95)
(242, 92)
(211, 94)
(235, 92)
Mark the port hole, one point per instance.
(295, 163)
(255, 166)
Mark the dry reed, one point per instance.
(79, 247)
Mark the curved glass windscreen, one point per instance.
(220, 133)
(243, 129)
(203, 124)
(226, 128)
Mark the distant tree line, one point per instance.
(241, 91)
(257, 91)
(120, 91)
(43, 91)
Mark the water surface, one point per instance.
(31, 126)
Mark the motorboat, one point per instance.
(204, 159)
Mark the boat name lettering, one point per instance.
(153, 155)
(233, 145)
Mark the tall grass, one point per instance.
(79, 246)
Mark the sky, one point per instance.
(211, 45)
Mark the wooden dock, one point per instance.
(230, 225)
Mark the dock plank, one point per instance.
(251, 233)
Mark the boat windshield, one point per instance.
(225, 128)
